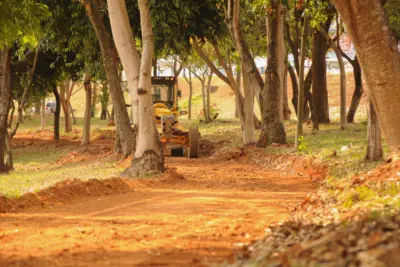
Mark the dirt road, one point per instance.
(198, 212)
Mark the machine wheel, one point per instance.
(194, 137)
(177, 152)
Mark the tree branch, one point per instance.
(210, 64)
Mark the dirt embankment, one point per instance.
(65, 192)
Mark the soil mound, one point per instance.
(86, 154)
(291, 163)
(227, 153)
(64, 192)
(207, 148)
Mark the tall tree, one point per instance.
(126, 47)
(319, 80)
(122, 121)
(379, 57)
(20, 22)
(300, 110)
(87, 83)
(149, 157)
(273, 129)
(188, 79)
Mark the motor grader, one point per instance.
(173, 135)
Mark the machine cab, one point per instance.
(164, 91)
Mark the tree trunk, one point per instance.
(37, 107)
(238, 84)
(358, 91)
(149, 156)
(319, 82)
(94, 100)
(295, 87)
(286, 110)
(43, 114)
(208, 89)
(300, 101)
(8, 160)
(249, 136)
(105, 97)
(127, 50)
(245, 55)
(122, 120)
(204, 96)
(64, 87)
(103, 115)
(88, 107)
(155, 67)
(25, 95)
(374, 147)
(310, 109)
(5, 99)
(273, 129)
(379, 59)
(228, 78)
(71, 110)
(189, 81)
(335, 47)
(57, 113)
(10, 121)
(67, 120)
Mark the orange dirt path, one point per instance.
(198, 212)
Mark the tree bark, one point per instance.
(319, 82)
(374, 147)
(358, 90)
(149, 156)
(273, 129)
(65, 101)
(105, 97)
(43, 114)
(122, 120)
(310, 109)
(94, 100)
(208, 89)
(249, 66)
(71, 110)
(295, 87)
(202, 80)
(38, 105)
(88, 106)
(127, 50)
(249, 136)
(300, 101)
(189, 81)
(379, 59)
(334, 45)
(285, 109)
(8, 160)
(10, 121)
(5, 99)
(239, 86)
(57, 113)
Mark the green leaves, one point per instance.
(20, 20)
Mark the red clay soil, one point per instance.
(200, 210)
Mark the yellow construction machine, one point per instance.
(173, 136)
